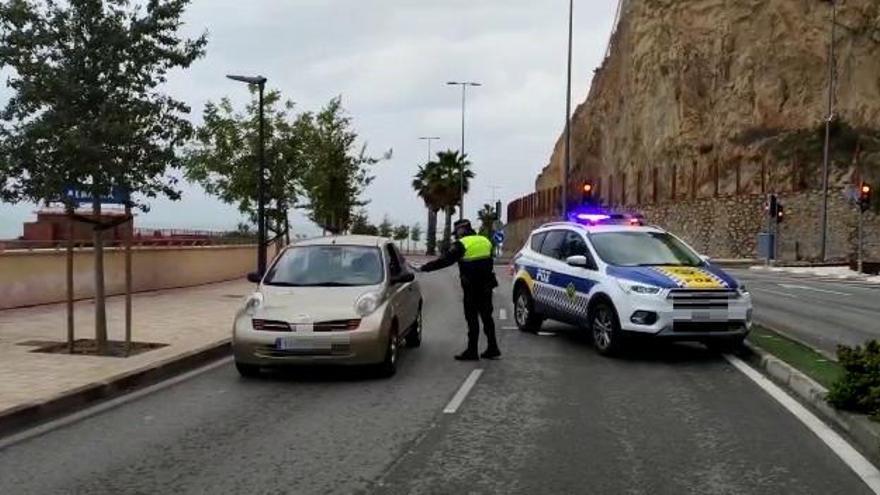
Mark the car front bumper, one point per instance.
(730, 320)
(366, 345)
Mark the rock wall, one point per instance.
(711, 85)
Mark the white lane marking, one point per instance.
(462, 392)
(774, 292)
(850, 456)
(805, 287)
(509, 327)
(104, 406)
(502, 314)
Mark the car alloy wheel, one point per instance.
(603, 329)
(521, 312)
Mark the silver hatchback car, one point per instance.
(348, 300)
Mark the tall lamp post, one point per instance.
(260, 82)
(464, 85)
(567, 171)
(429, 139)
(828, 119)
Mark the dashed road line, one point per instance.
(502, 314)
(463, 391)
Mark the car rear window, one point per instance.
(328, 266)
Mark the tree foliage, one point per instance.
(360, 224)
(415, 233)
(487, 219)
(224, 158)
(401, 233)
(86, 109)
(386, 228)
(336, 170)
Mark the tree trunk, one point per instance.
(100, 309)
(447, 229)
(431, 234)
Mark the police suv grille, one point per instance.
(702, 298)
(270, 325)
(707, 327)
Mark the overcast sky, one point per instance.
(389, 59)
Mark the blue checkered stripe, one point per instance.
(557, 298)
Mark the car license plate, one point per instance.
(302, 327)
(299, 344)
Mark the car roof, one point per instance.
(345, 240)
(597, 228)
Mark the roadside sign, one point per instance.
(498, 237)
(117, 195)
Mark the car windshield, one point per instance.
(643, 249)
(327, 266)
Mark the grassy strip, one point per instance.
(803, 358)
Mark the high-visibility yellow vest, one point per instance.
(476, 247)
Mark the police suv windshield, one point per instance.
(643, 249)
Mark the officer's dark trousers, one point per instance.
(477, 306)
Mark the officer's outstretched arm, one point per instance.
(449, 258)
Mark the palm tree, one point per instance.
(427, 184)
(487, 219)
(452, 168)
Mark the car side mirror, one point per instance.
(579, 261)
(403, 278)
(254, 277)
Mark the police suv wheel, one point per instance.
(605, 328)
(524, 312)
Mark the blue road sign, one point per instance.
(498, 236)
(117, 195)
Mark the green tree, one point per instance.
(401, 234)
(487, 219)
(427, 185)
(86, 109)
(415, 234)
(360, 224)
(337, 171)
(386, 228)
(225, 157)
(452, 167)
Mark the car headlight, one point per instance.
(253, 303)
(742, 289)
(367, 303)
(633, 288)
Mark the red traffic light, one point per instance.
(864, 196)
(587, 188)
(866, 189)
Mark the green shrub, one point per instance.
(858, 389)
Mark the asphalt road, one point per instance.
(550, 417)
(820, 312)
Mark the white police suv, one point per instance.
(618, 279)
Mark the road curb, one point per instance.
(24, 415)
(862, 432)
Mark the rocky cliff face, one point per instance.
(701, 98)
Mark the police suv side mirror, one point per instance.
(578, 261)
(254, 277)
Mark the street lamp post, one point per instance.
(567, 165)
(429, 139)
(260, 82)
(464, 85)
(826, 158)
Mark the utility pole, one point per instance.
(567, 164)
(828, 120)
(464, 85)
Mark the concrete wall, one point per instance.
(38, 277)
(727, 227)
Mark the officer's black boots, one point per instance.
(491, 354)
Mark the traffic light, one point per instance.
(780, 213)
(865, 196)
(587, 193)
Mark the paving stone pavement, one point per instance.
(185, 319)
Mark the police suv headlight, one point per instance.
(641, 289)
(368, 303)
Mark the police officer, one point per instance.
(473, 253)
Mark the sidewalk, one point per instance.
(826, 272)
(187, 320)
